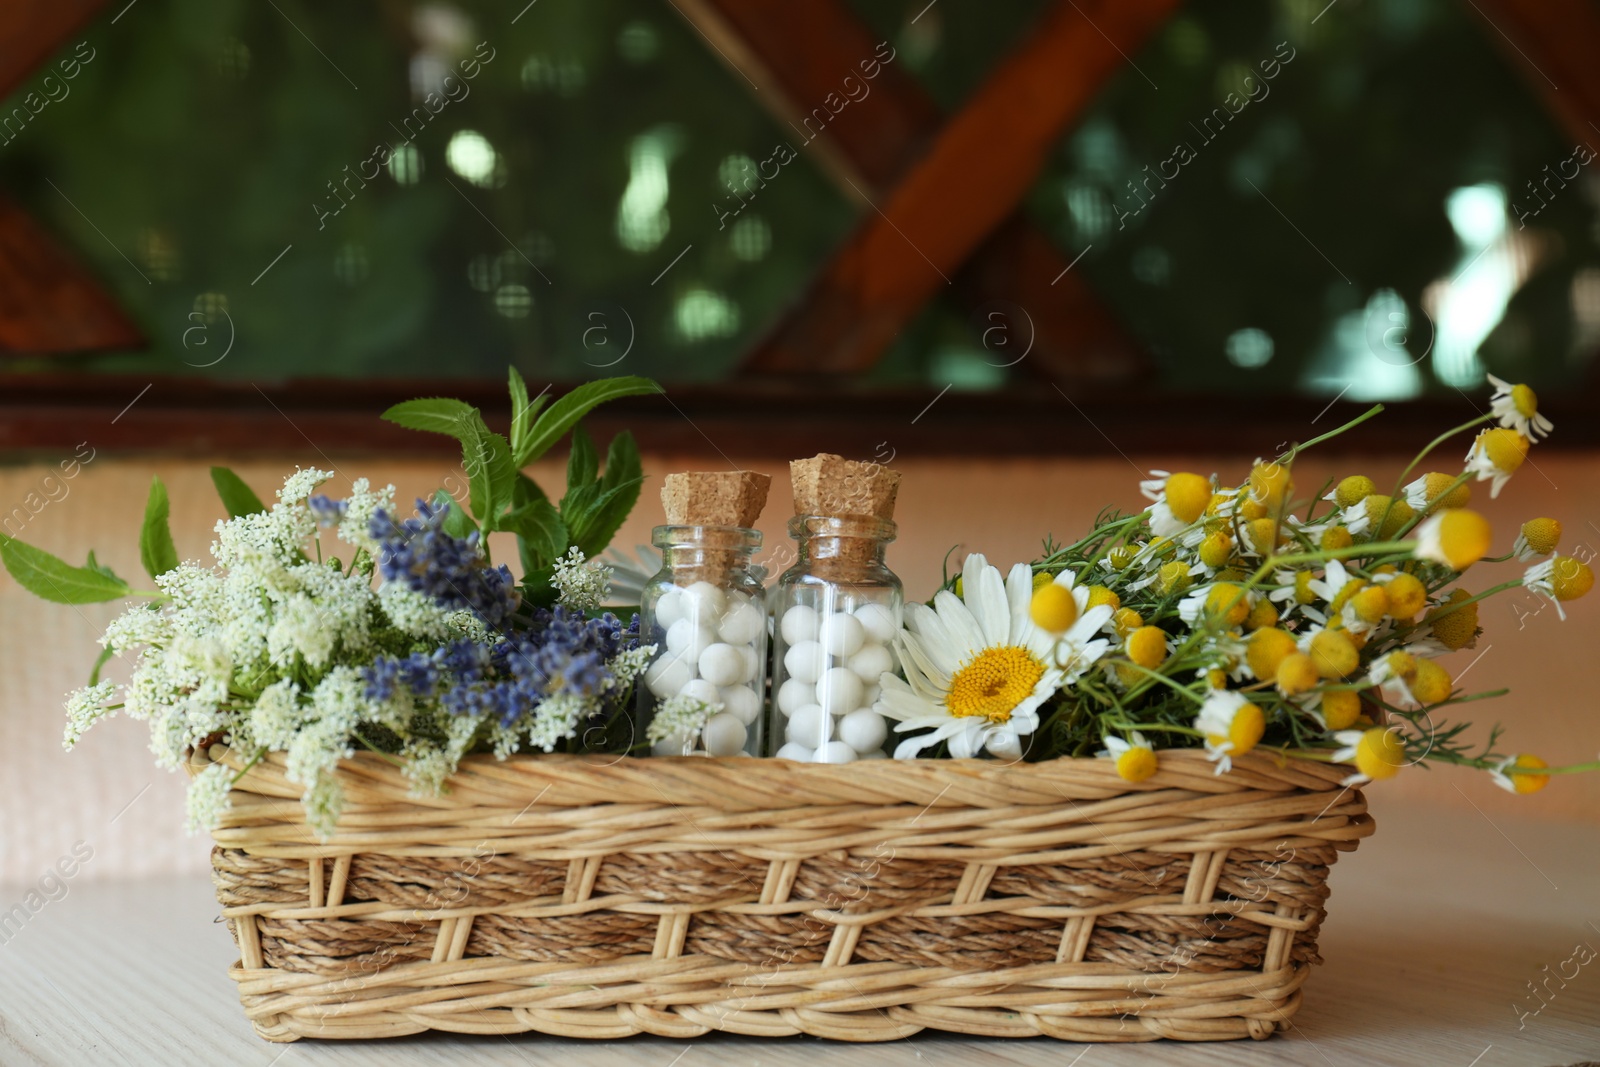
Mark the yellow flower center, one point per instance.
(1126, 620)
(1263, 535)
(1529, 783)
(1407, 596)
(1297, 674)
(1099, 594)
(1353, 490)
(1432, 683)
(1172, 578)
(1336, 537)
(1380, 753)
(1402, 665)
(1216, 549)
(1342, 595)
(1334, 654)
(1217, 678)
(1440, 495)
(1269, 484)
(1053, 608)
(1250, 510)
(1455, 627)
(1525, 400)
(1267, 650)
(1570, 578)
(994, 683)
(1303, 592)
(1542, 535)
(1136, 764)
(1121, 556)
(1505, 448)
(1147, 646)
(1187, 496)
(1227, 604)
(1042, 579)
(1464, 537)
(1371, 604)
(1340, 708)
(1265, 613)
(1246, 729)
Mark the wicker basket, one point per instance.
(601, 898)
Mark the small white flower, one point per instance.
(1517, 408)
(1215, 720)
(580, 584)
(209, 798)
(679, 716)
(85, 707)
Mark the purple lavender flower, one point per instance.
(451, 570)
(328, 512)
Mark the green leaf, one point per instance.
(541, 533)
(606, 512)
(565, 413)
(523, 412)
(526, 489)
(100, 661)
(237, 497)
(156, 550)
(100, 568)
(491, 477)
(583, 462)
(457, 523)
(55, 579)
(437, 414)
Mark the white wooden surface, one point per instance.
(1437, 926)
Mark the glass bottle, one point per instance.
(835, 615)
(705, 613)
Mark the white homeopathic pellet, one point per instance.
(839, 690)
(792, 751)
(690, 639)
(721, 664)
(805, 661)
(842, 634)
(666, 676)
(741, 623)
(724, 734)
(809, 725)
(835, 752)
(676, 745)
(871, 663)
(752, 663)
(799, 624)
(794, 694)
(670, 608)
(702, 690)
(863, 730)
(705, 603)
(741, 702)
(878, 621)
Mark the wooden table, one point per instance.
(1437, 926)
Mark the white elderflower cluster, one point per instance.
(678, 717)
(85, 707)
(581, 584)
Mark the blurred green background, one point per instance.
(1356, 226)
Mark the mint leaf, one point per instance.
(55, 579)
(457, 523)
(436, 414)
(237, 497)
(542, 533)
(156, 550)
(565, 413)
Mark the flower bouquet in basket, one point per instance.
(421, 772)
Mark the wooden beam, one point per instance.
(1553, 43)
(972, 178)
(799, 58)
(49, 304)
(127, 415)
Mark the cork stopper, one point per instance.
(830, 485)
(714, 498)
(837, 488)
(723, 501)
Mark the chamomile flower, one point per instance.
(1231, 725)
(977, 667)
(1458, 538)
(1496, 455)
(1436, 491)
(1378, 753)
(1135, 759)
(1517, 408)
(1179, 499)
(1538, 537)
(1293, 593)
(1393, 675)
(1351, 491)
(1504, 774)
(1560, 578)
(1223, 604)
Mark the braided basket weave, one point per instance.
(599, 898)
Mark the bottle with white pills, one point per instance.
(835, 616)
(705, 611)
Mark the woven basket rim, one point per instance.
(748, 784)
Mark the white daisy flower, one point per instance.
(1559, 578)
(976, 666)
(1496, 455)
(1393, 674)
(1517, 408)
(1537, 537)
(1231, 726)
(1179, 501)
(1457, 537)
(1504, 774)
(1134, 759)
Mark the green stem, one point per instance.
(1435, 443)
(1352, 424)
